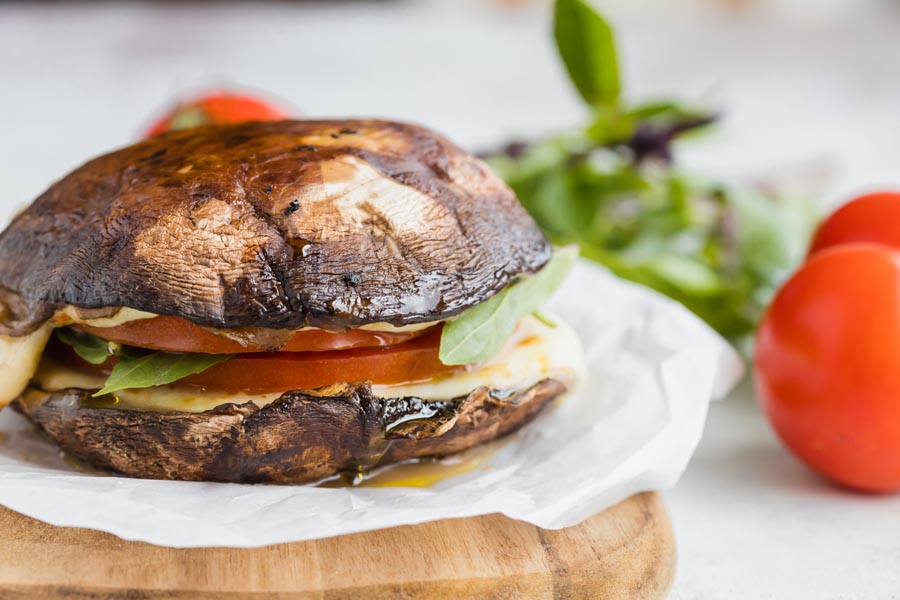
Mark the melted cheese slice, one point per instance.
(19, 357)
(534, 352)
(70, 316)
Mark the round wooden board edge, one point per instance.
(625, 552)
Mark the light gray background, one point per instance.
(811, 90)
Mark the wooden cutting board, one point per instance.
(627, 551)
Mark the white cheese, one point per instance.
(19, 357)
(534, 352)
(387, 327)
(70, 316)
(52, 376)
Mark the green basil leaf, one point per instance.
(772, 232)
(687, 274)
(480, 332)
(666, 112)
(610, 127)
(157, 368)
(587, 47)
(89, 347)
(544, 319)
(562, 208)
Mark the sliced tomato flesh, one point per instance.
(414, 360)
(174, 334)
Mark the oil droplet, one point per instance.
(422, 473)
(418, 473)
(104, 401)
(82, 467)
(501, 394)
(301, 245)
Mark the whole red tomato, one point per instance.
(216, 107)
(871, 218)
(827, 365)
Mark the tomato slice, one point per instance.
(174, 334)
(415, 360)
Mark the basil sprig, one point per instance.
(157, 368)
(478, 334)
(136, 368)
(613, 188)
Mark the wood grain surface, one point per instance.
(626, 552)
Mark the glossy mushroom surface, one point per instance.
(330, 224)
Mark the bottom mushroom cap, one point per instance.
(301, 437)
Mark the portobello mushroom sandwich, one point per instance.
(280, 302)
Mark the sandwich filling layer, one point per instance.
(141, 361)
(537, 350)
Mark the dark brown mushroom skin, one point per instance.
(301, 437)
(281, 225)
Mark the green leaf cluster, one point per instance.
(612, 188)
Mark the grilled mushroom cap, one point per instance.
(301, 437)
(331, 224)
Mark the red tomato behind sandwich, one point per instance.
(217, 107)
(873, 218)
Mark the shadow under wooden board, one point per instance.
(626, 552)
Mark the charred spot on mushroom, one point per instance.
(157, 154)
(293, 207)
(352, 279)
(304, 148)
(456, 229)
(301, 437)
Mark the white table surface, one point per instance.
(812, 86)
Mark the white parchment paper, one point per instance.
(653, 368)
